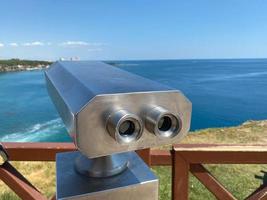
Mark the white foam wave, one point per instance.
(35, 133)
(227, 77)
(126, 64)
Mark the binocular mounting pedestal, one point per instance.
(101, 167)
(116, 177)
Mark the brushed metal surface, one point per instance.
(86, 93)
(104, 166)
(162, 123)
(124, 127)
(137, 182)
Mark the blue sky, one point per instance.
(133, 29)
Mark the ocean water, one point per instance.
(223, 93)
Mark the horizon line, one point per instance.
(146, 59)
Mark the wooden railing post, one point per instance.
(180, 176)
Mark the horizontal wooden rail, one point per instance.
(36, 151)
(47, 152)
(160, 157)
(223, 154)
(190, 157)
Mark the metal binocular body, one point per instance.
(107, 112)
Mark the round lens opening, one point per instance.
(127, 128)
(165, 123)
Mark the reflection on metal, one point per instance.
(104, 166)
(88, 95)
(124, 127)
(108, 112)
(163, 123)
(137, 182)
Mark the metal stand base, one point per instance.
(101, 167)
(136, 182)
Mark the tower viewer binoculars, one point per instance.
(109, 113)
(108, 110)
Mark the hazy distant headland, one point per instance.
(22, 65)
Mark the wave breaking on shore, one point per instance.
(40, 132)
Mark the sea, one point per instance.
(223, 92)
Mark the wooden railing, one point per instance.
(184, 158)
(190, 158)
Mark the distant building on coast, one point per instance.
(75, 58)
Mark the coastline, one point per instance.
(16, 68)
(13, 65)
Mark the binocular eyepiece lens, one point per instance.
(168, 126)
(163, 123)
(124, 127)
(127, 128)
